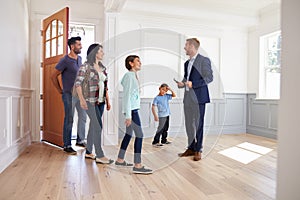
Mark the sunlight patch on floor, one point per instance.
(245, 152)
(255, 148)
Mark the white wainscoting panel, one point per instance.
(262, 116)
(226, 116)
(16, 118)
(4, 123)
(145, 114)
(273, 116)
(177, 114)
(259, 114)
(235, 113)
(15, 123)
(27, 115)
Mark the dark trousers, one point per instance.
(162, 130)
(136, 127)
(194, 120)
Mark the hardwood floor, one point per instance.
(46, 172)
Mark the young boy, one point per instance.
(161, 101)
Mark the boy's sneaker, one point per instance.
(70, 150)
(167, 142)
(142, 170)
(157, 145)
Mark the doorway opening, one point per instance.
(87, 34)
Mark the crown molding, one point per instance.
(114, 5)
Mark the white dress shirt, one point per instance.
(189, 69)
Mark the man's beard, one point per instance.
(77, 51)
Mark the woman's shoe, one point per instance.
(90, 155)
(98, 160)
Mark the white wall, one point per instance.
(234, 61)
(80, 11)
(15, 92)
(15, 44)
(288, 179)
(269, 22)
(231, 51)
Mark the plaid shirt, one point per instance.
(93, 82)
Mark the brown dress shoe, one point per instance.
(187, 152)
(197, 156)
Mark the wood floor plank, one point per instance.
(52, 185)
(46, 172)
(89, 176)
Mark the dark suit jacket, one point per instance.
(201, 74)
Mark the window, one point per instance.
(270, 66)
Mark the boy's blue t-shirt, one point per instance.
(162, 103)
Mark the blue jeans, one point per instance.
(95, 112)
(81, 120)
(136, 127)
(99, 111)
(68, 119)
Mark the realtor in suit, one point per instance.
(197, 74)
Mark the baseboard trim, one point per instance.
(8, 155)
(269, 133)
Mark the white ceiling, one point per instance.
(249, 8)
(244, 13)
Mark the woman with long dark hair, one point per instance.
(91, 88)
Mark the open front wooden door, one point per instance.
(55, 35)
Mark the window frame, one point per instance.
(265, 67)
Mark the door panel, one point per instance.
(55, 35)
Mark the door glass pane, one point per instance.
(60, 46)
(60, 28)
(48, 33)
(47, 49)
(53, 47)
(53, 28)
